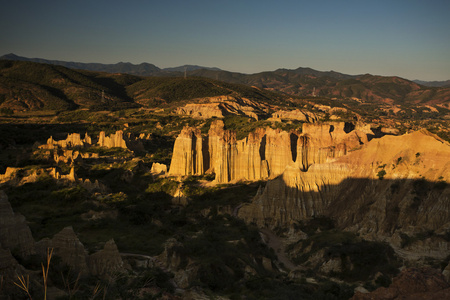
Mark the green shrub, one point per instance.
(381, 174)
(115, 198)
(164, 185)
(68, 195)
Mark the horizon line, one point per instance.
(220, 69)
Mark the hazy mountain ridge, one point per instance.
(189, 68)
(309, 71)
(304, 82)
(142, 69)
(32, 86)
(445, 83)
(301, 82)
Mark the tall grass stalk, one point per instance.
(45, 271)
(24, 284)
(96, 291)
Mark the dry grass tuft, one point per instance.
(24, 284)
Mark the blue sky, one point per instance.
(406, 38)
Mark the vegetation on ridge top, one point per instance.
(32, 86)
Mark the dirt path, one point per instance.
(274, 242)
(277, 244)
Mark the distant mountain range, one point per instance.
(26, 85)
(433, 83)
(189, 68)
(147, 69)
(143, 69)
(301, 82)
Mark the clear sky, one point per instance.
(407, 38)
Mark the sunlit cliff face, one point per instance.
(391, 184)
(264, 154)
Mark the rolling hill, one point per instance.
(445, 83)
(34, 86)
(305, 82)
(143, 69)
(301, 82)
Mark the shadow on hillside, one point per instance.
(377, 133)
(379, 206)
(28, 134)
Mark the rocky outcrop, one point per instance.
(118, 139)
(320, 142)
(30, 178)
(296, 114)
(95, 186)
(202, 111)
(221, 106)
(113, 140)
(8, 264)
(446, 273)
(14, 231)
(279, 150)
(170, 257)
(68, 247)
(393, 184)
(17, 178)
(70, 156)
(265, 153)
(188, 156)
(9, 175)
(222, 151)
(412, 195)
(15, 235)
(411, 284)
(106, 262)
(250, 162)
(295, 195)
(184, 269)
(158, 169)
(72, 140)
(72, 177)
